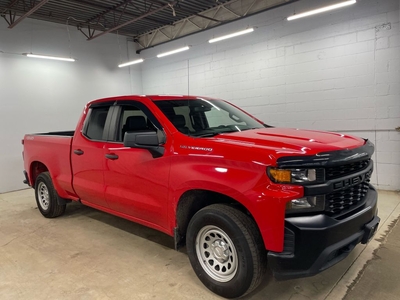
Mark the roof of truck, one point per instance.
(150, 97)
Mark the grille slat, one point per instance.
(342, 200)
(338, 201)
(343, 170)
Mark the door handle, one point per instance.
(112, 156)
(78, 152)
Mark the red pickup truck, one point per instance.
(236, 191)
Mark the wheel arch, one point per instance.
(191, 201)
(36, 168)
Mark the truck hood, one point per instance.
(292, 141)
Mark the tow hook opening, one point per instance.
(370, 230)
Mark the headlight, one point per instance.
(306, 204)
(292, 175)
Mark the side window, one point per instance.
(94, 129)
(133, 118)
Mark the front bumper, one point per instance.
(315, 243)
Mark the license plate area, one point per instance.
(370, 230)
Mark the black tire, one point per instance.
(218, 235)
(47, 198)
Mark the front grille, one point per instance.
(343, 170)
(342, 200)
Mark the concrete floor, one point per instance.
(385, 266)
(87, 254)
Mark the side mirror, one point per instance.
(150, 140)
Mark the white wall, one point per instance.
(333, 71)
(40, 95)
(330, 72)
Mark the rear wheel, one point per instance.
(47, 198)
(226, 251)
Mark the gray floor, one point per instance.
(87, 254)
(380, 277)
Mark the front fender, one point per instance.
(245, 182)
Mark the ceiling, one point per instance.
(146, 22)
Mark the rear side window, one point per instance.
(96, 122)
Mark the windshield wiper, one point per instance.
(211, 134)
(208, 134)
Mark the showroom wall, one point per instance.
(336, 71)
(38, 95)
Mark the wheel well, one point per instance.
(191, 202)
(36, 168)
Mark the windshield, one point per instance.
(204, 118)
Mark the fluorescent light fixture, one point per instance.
(228, 36)
(49, 57)
(321, 10)
(133, 62)
(173, 51)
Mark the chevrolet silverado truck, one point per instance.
(237, 192)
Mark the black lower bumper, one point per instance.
(315, 243)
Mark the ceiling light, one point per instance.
(173, 51)
(321, 10)
(133, 62)
(49, 57)
(228, 36)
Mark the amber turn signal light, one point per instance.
(279, 175)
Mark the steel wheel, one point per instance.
(216, 253)
(47, 197)
(43, 196)
(226, 250)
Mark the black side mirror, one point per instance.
(148, 139)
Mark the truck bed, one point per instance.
(53, 151)
(61, 133)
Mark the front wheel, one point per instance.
(226, 251)
(47, 198)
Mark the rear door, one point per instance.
(136, 183)
(87, 157)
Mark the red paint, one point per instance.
(147, 190)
